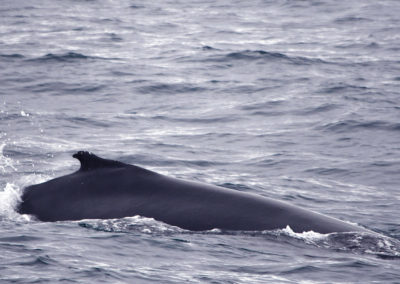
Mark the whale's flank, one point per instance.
(103, 189)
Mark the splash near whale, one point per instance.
(105, 189)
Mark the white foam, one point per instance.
(10, 195)
(9, 198)
(23, 113)
(135, 223)
(308, 236)
(5, 162)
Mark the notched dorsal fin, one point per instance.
(90, 161)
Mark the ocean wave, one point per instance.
(268, 113)
(355, 242)
(159, 161)
(207, 47)
(167, 88)
(328, 171)
(351, 20)
(237, 186)
(66, 57)
(363, 243)
(342, 88)
(79, 121)
(352, 125)
(264, 105)
(12, 116)
(278, 108)
(317, 109)
(37, 261)
(134, 6)
(62, 88)
(202, 120)
(261, 55)
(14, 55)
(371, 45)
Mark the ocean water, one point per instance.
(294, 100)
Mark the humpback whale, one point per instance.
(106, 189)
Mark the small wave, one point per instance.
(236, 186)
(352, 125)
(114, 37)
(261, 106)
(188, 163)
(134, 6)
(264, 109)
(302, 269)
(37, 261)
(342, 88)
(120, 73)
(351, 20)
(355, 242)
(384, 163)
(207, 47)
(197, 119)
(158, 161)
(268, 111)
(363, 243)
(85, 89)
(70, 56)
(317, 109)
(328, 171)
(164, 88)
(87, 121)
(19, 238)
(15, 55)
(255, 55)
(66, 57)
(62, 88)
(371, 45)
(261, 55)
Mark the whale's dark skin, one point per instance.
(104, 189)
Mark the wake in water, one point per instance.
(358, 243)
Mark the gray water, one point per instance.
(293, 100)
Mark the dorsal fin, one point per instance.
(90, 161)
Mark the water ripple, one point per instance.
(265, 56)
(170, 88)
(349, 125)
(69, 57)
(66, 57)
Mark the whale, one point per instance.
(108, 189)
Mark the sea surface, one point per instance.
(293, 100)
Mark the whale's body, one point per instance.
(105, 189)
